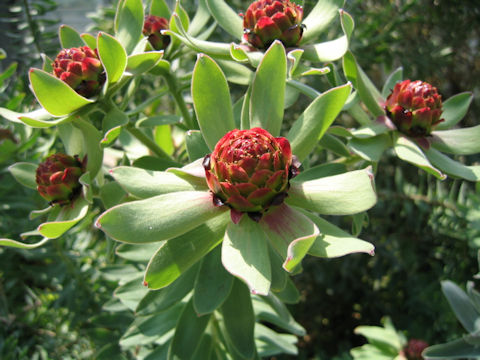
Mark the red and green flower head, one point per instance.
(152, 27)
(415, 107)
(414, 349)
(58, 178)
(81, 69)
(268, 20)
(249, 170)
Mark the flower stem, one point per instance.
(149, 143)
(177, 95)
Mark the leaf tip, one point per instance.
(145, 283)
(372, 252)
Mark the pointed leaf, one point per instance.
(158, 218)
(334, 242)
(343, 194)
(268, 90)
(272, 310)
(179, 254)
(188, 333)
(129, 23)
(140, 63)
(55, 95)
(68, 217)
(457, 141)
(367, 91)
(91, 145)
(136, 252)
(290, 232)
(407, 150)
(319, 18)
(213, 283)
(334, 49)
(90, 40)
(112, 56)
(196, 146)
(454, 109)
(200, 20)
(456, 349)
(160, 8)
(393, 78)
(69, 37)
(245, 255)
(239, 320)
(146, 183)
(24, 173)
(316, 119)
(372, 148)
(461, 305)
(211, 99)
(226, 17)
(452, 167)
(162, 299)
(21, 245)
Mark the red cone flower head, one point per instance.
(268, 20)
(57, 178)
(152, 27)
(415, 107)
(81, 69)
(249, 170)
(414, 349)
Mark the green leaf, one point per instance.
(290, 294)
(343, 194)
(136, 252)
(383, 338)
(452, 167)
(158, 120)
(334, 49)
(140, 63)
(409, 151)
(69, 37)
(211, 99)
(90, 40)
(239, 320)
(54, 95)
(270, 343)
(272, 310)
(129, 23)
(226, 17)
(319, 18)
(236, 73)
(461, 305)
(68, 216)
(177, 255)
(21, 245)
(112, 55)
(395, 77)
(158, 218)
(245, 255)
(372, 148)
(290, 233)
(334, 144)
(454, 109)
(316, 119)
(160, 8)
(268, 90)
(367, 91)
(200, 20)
(245, 114)
(456, 349)
(457, 141)
(24, 173)
(146, 183)
(188, 333)
(334, 242)
(213, 283)
(91, 145)
(132, 292)
(279, 275)
(162, 299)
(196, 146)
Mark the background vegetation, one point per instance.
(51, 299)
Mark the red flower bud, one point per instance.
(81, 69)
(268, 20)
(249, 170)
(414, 349)
(57, 178)
(152, 27)
(415, 107)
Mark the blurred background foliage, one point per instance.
(424, 231)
